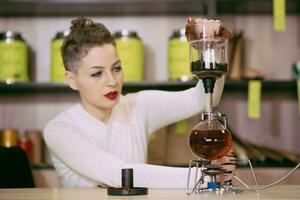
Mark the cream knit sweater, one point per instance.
(87, 152)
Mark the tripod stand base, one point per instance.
(207, 180)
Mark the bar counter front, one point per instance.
(277, 192)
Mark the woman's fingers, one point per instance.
(229, 164)
(198, 28)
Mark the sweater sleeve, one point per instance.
(94, 163)
(162, 108)
(81, 155)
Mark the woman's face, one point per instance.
(99, 78)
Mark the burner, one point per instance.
(214, 171)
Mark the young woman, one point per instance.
(92, 141)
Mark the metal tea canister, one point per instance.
(178, 56)
(25, 144)
(57, 70)
(14, 54)
(9, 138)
(131, 53)
(36, 147)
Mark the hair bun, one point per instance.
(80, 23)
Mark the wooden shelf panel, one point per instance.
(230, 86)
(138, 7)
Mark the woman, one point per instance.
(92, 141)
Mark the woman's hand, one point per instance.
(195, 28)
(229, 164)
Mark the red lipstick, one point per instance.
(112, 95)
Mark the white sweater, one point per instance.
(87, 152)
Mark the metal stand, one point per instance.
(207, 181)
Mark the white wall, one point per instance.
(271, 52)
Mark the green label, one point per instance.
(254, 99)
(182, 127)
(178, 59)
(57, 66)
(152, 137)
(279, 15)
(131, 54)
(13, 61)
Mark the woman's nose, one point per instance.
(111, 80)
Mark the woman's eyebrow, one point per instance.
(96, 67)
(101, 67)
(117, 62)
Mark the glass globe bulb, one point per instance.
(210, 139)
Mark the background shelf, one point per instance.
(230, 86)
(141, 7)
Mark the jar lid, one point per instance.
(126, 33)
(13, 35)
(178, 33)
(61, 34)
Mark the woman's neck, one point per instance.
(102, 114)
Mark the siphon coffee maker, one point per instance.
(210, 139)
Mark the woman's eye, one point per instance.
(97, 74)
(117, 69)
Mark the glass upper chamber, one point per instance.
(210, 139)
(208, 41)
(209, 57)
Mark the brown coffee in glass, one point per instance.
(210, 139)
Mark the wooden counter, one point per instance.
(278, 192)
(48, 177)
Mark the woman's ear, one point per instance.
(70, 78)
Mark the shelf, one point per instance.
(59, 88)
(33, 88)
(138, 7)
(257, 7)
(230, 86)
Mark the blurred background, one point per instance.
(155, 55)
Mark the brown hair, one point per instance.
(84, 35)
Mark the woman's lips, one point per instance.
(112, 95)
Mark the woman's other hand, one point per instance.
(195, 28)
(229, 164)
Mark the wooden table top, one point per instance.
(278, 192)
